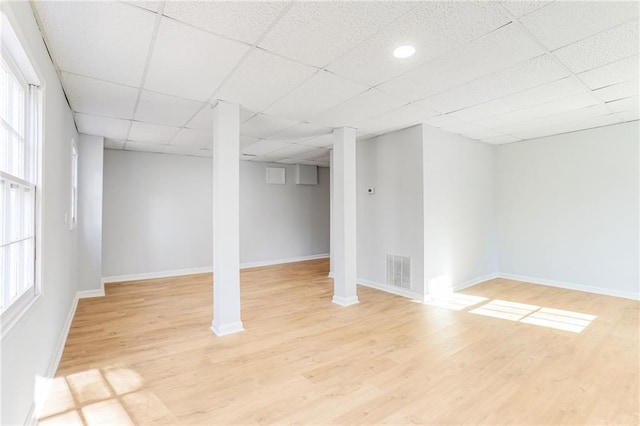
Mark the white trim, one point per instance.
(205, 269)
(85, 294)
(226, 329)
(390, 289)
(345, 301)
(330, 275)
(571, 286)
(246, 265)
(475, 281)
(152, 275)
(40, 395)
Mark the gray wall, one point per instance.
(157, 214)
(90, 172)
(568, 209)
(391, 219)
(459, 206)
(29, 348)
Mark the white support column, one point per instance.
(226, 219)
(343, 216)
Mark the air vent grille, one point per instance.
(399, 271)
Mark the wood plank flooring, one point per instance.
(145, 354)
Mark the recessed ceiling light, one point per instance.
(404, 51)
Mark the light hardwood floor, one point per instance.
(145, 354)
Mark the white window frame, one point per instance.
(17, 59)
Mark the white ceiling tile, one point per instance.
(433, 29)
(517, 101)
(497, 140)
(113, 144)
(245, 141)
(144, 147)
(565, 22)
(263, 147)
(523, 7)
(187, 150)
(262, 79)
(328, 29)
(622, 105)
(570, 126)
(519, 129)
(186, 61)
(239, 20)
(472, 131)
(98, 97)
(301, 131)
(630, 115)
(106, 40)
(500, 49)
(263, 126)
(193, 139)
(601, 49)
(616, 72)
(153, 6)
(292, 150)
(359, 108)
(405, 116)
(164, 109)
(111, 128)
(152, 133)
(443, 120)
(321, 154)
(582, 100)
(204, 119)
(324, 88)
(526, 75)
(323, 141)
(618, 91)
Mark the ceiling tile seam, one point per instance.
(211, 100)
(152, 44)
(43, 35)
(534, 10)
(605, 64)
(597, 33)
(554, 57)
(101, 80)
(383, 28)
(222, 36)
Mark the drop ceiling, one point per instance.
(145, 74)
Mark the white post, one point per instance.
(343, 216)
(226, 221)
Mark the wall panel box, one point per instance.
(306, 175)
(276, 175)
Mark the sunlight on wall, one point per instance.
(440, 287)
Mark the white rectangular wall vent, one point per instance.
(276, 175)
(306, 175)
(399, 271)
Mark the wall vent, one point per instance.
(399, 271)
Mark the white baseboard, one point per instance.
(41, 393)
(390, 289)
(571, 286)
(226, 329)
(246, 265)
(86, 294)
(474, 281)
(204, 270)
(345, 301)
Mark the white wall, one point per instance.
(568, 209)
(459, 210)
(391, 219)
(90, 171)
(157, 214)
(282, 221)
(29, 350)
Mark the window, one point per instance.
(73, 220)
(19, 143)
